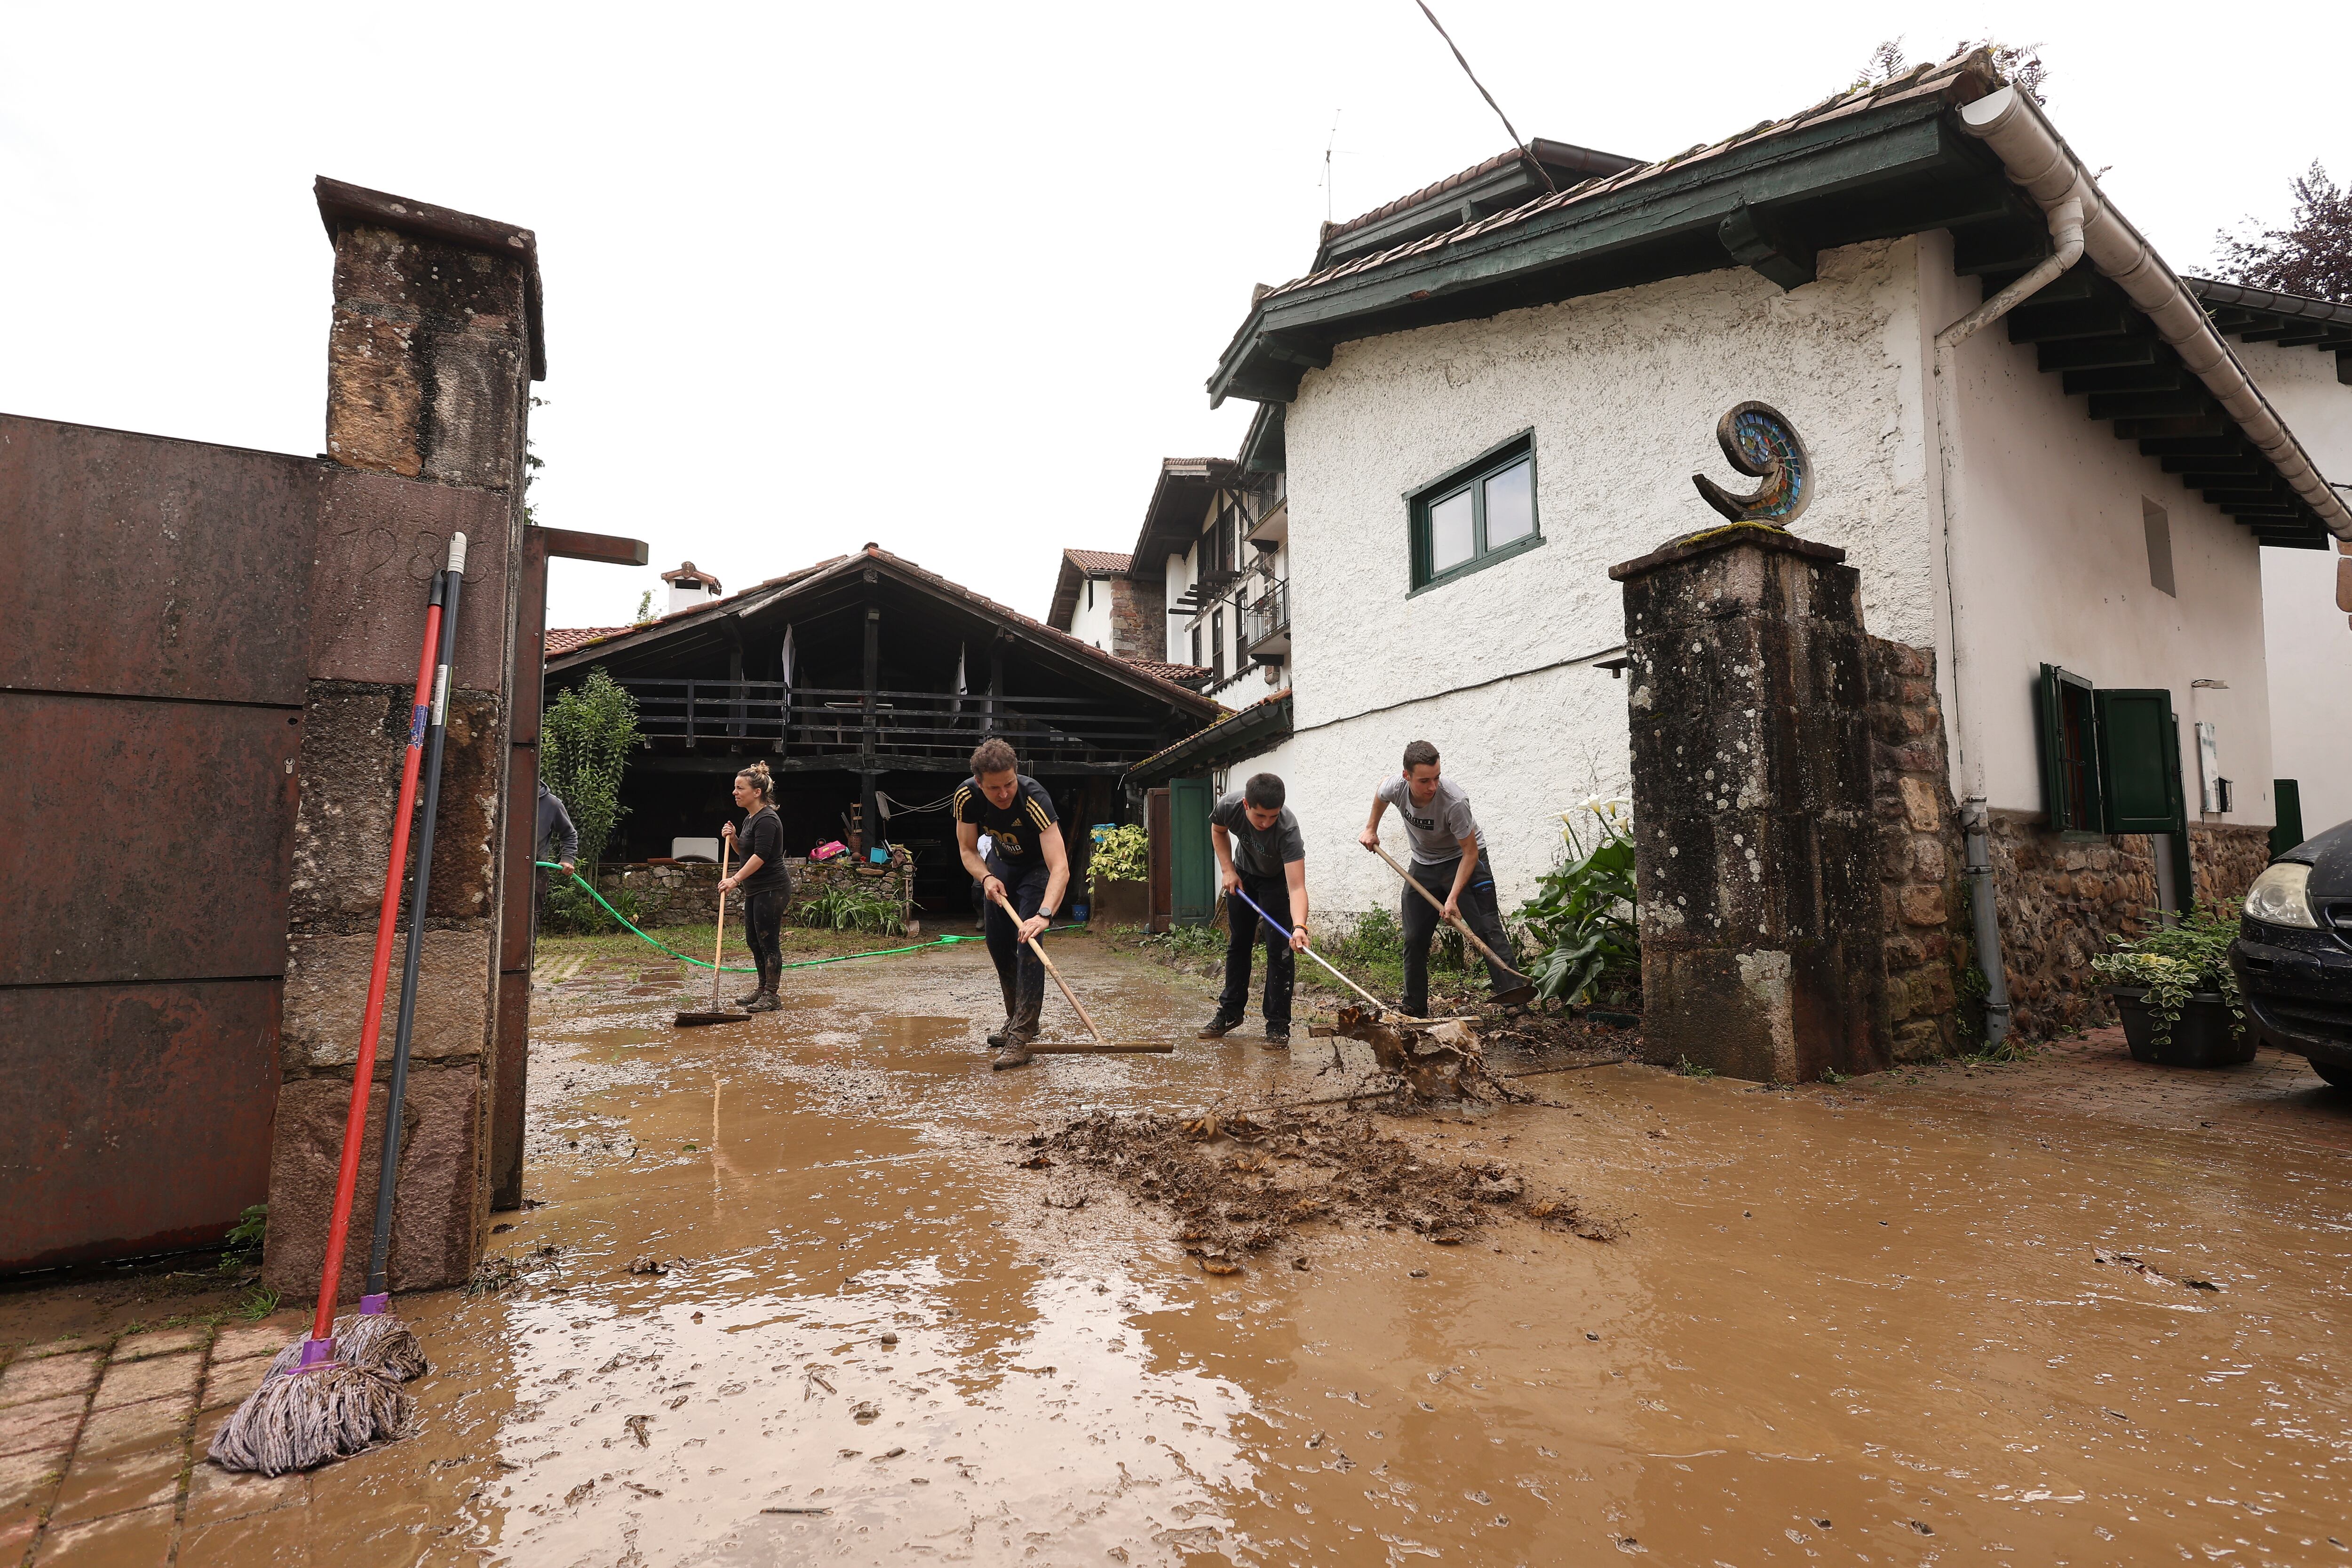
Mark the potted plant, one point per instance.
(1117, 868)
(2177, 995)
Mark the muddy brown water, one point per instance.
(1867, 1325)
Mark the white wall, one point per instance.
(1093, 626)
(2307, 639)
(1622, 392)
(2051, 564)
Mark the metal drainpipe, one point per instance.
(2066, 237)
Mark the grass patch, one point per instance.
(257, 1303)
(1690, 1069)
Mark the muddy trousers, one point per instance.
(1246, 932)
(1018, 973)
(1478, 912)
(763, 931)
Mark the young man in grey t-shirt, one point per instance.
(1447, 861)
(1260, 854)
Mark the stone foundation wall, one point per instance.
(2059, 898)
(2224, 859)
(688, 893)
(1919, 851)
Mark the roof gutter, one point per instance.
(2040, 161)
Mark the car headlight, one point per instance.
(2281, 896)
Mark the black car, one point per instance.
(2294, 954)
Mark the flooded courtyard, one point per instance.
(804, 1288)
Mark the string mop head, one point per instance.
(322, 1409)
(372, 1340)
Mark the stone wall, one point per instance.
(1138, 617)
(2224, 859)
(2059, 898)
(1919, 849)
(686, 893)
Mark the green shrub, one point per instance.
(851, 909)
(584, 742)
(1582, 914)
(1120, 854)
(1375, 936)
(2175, 961)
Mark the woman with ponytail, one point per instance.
(766, 887)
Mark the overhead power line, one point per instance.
(1520, 142)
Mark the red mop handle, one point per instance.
(347, 1175)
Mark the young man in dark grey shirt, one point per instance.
(1449, 860)
(1260, 854)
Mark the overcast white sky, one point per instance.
(947, 277)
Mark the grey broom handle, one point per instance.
(380, 1254)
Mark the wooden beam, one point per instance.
(2129, 378)
(2150, 404)
(2097, 353)
(2216, 423)
(567, 544)
(2029, 323)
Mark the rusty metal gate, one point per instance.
(156, 595)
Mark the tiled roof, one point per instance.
(1098, 563)
(563, 639)
(1922, 81)
(1182, 674)
(1202, 740)
(1084, 650)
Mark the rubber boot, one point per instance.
(996, 1036)
(1020, 1034)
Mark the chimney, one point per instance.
(689, 586)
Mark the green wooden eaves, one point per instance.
(1869, 176)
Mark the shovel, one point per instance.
(1099, 1046)
(718, 945)
(1522, 992)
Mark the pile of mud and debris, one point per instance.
(1245, 1184)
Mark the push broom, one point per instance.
(1099, 1046)
(321, 1407)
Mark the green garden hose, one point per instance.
(747, 969)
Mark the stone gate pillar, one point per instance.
(433, 346)
(1755, 847)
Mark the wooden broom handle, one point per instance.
(1038, 948)
(1457, 922)
(718, 943)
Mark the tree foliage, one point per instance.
(585, 743)
(2311, 256)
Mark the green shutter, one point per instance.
(2287, 794)
(2139, 762)
(2067, 725)
(1191, 860)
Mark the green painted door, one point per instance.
(1195, 887)
(2287, 794)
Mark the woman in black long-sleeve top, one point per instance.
(766, 887)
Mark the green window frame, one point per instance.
(2110, 758)
(1476, 515)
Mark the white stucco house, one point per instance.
(1486, 392)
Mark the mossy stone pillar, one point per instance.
(1755, 844)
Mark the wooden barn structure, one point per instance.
(865, 682)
